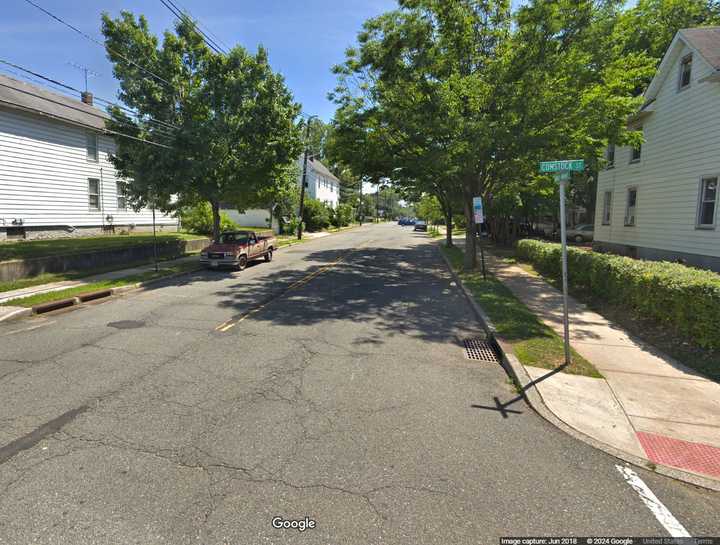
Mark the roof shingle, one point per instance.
(706, 40)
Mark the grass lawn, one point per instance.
(62, 246)
(106, 284)
(533, 342)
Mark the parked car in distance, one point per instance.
(237, 248)
(406, 221)
(420, 225)
(581, 233)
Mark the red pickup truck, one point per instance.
(236, 248)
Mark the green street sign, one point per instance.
(576, 165)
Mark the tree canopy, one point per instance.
(223, 126)
(464, 98)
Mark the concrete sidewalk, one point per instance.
(648, 405)
(8, 296)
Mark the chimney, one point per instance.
(87, 97)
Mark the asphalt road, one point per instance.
(330, 384)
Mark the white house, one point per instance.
(55, 176)
(254, 217)
(321, 183)
(660, 200)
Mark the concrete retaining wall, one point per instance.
(25, 268)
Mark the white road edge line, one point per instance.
(662, 513)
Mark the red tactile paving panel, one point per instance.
(696, 457)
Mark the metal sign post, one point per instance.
(561, 171)
(562, 179)
(479, 220)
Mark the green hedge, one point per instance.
(686, 300)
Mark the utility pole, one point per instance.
(304, 177)
(360, 208)
(377, 204)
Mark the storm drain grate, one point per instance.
(480, 350)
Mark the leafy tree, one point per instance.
(464, 103)
(316, 215)
(342, 215)
(429, 209)
(227, 121)
(651, 25)
(199, 219)
(320, 134)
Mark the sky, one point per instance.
(304, 38)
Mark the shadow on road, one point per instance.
(401, 291)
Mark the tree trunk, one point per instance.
(215, 205)
(448, 227)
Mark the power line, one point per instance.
(196, 24)
(214, 36)
(184, 18)
(98, 42)
(70, 88)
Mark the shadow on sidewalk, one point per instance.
(502, 408)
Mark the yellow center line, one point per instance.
(232, 322)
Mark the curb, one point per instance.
(16, 314)
(89, 296)
(533, 398)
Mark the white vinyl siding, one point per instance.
(44, 172)
(682, 144)
(320, 187)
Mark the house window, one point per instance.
(610, 156)
(636, 153)
(122, 195)
(631, 206)
(708, 200)
(685, 73)
(94, 193)
(92, 147)
(607, 208)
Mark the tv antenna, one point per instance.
(85, 70)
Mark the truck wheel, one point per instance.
(242, 263)
(579, 239)
(268, 255)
